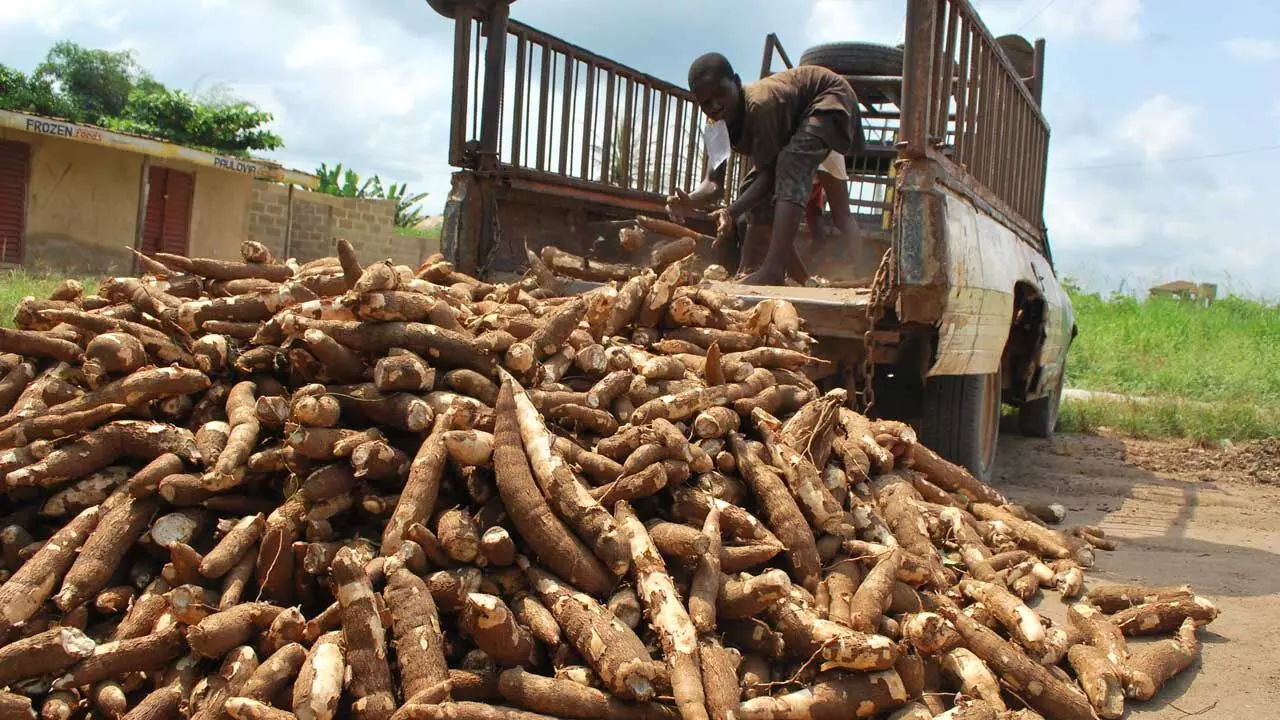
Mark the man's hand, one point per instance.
(724, 225)
(677, 205)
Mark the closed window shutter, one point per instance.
(154, 225)
(177, 212)
(168, 219)
(14, 164)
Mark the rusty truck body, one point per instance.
(955, 309)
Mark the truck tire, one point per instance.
(962, 420)
(855, 58)
(1039, 417)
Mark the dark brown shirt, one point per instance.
(778, 106)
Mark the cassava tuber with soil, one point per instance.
(258, 489)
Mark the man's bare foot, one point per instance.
(764, 276)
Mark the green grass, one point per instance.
(1211, 372)
(17, 284)
(431, 233)
(1169, 418)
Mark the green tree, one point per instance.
(175, 116)
(97, 82)
(27, 94)
(346, 183)
(109, 88)
(408, 213)
(336, 181)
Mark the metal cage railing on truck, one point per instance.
(538, 115)
(965, 106)
(568, 115)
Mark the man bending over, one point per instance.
(787, 124)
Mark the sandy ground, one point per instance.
(1183, 514)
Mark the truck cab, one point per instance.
(950, 311)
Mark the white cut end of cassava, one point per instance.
(1207, 605)
(1029, 623)
(326, 687)
(469, 447)
(490, 612)
(579, 674)
(173, 528)
(1055, 646)
(520, 357)
(1070, 582)
(930, 633)
(976, 679)
(75, 643)
(1043, 574)
(419, 416)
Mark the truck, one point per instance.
(952, 309)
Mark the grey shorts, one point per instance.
(793, 174)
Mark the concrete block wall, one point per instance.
(319, 220)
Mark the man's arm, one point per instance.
(758, 190)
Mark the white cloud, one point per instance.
(1159, 127)
(1116, 222)
(882, 21)
(1247, 49)
(333, 46)
(49, 15)
(868, 20)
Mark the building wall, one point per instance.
(82, 207)
(318, 221)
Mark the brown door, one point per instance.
(168, 211)
(14, 162)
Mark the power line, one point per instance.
(1188, 158)
(1033, 17)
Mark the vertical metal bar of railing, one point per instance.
(544, 102)
(606, 140)
(974, 99)
(517, 121)
(566, 111)
(936, 76)
(461, 70)
(1037, 87)
(475, 83)
(588, 121)
(917, 77)
(962, 91)
(691, 145)
(643, 156)
(628, 133)
(676, 161)
(1026, 133)
(659, 156)
(947, 70)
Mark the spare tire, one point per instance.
(856, 58)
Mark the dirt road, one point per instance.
(1183, 514)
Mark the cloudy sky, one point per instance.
(1165, 113)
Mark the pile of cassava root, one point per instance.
(254, 490)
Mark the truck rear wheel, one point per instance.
(962, 420)
(1039, 417)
